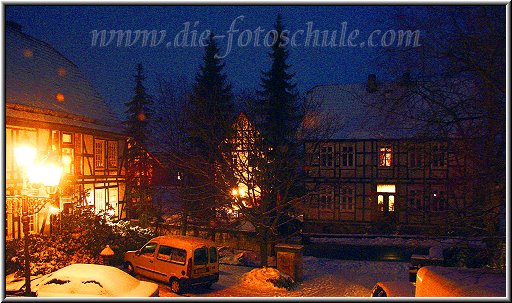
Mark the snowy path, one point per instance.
(322, 278)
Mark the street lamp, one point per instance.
(46, 172)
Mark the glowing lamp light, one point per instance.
(25, 155)
(36, 173)
(59, 97)
(53, 174)
(234, 192)
(54, 210)
(66, 160)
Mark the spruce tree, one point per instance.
(278, 118)
(138, 110)
(208, 114)
(137, 162)
(277, 106)
(210, 109)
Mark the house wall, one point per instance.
(91, 161)
(343, 179)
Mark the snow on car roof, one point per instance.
(397, 288)
(89, 278)
(438, 281)
(184, 240)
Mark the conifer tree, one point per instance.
(210, 109)
(138, 110)
(277, 105)
(208, 114)
(137, 162)
(277, 116)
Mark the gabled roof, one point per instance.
(43, 85)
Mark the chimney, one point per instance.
(13, 25)
(406, 79)
(372, 83)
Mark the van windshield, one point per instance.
(201, 256)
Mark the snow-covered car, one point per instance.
(392, 289)
(439, 281)
(181, 261)
(92, 280)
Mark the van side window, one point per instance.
(149, 249)
(213, 254)
(172, 254)
(201, 256)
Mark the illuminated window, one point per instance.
(112, 153)
(326, 199)
(386, 188)
(67, 138)
(347, 199)
(385, 199)
(438, 200)
(347, 156)
(67, 160)
(326, 156)
(380, 202)
(391, 205)
(438, 156)
(415, 199)
(385, 156)
(99, 153)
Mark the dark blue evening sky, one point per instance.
(110, 68)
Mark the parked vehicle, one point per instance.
(181, 261)
(438, 281)
(90, 280)
(392, 289)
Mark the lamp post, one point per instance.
(45, 172)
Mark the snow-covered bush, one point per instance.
(82, 237)
(267, 277)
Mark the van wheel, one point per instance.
(176, 286)
(129, 268)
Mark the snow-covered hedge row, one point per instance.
(82, 237)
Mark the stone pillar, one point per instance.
(289, 260)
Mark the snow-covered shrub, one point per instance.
(267, 277)
(82, 237)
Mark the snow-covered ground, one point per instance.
(322, 278)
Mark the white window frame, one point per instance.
(327, 154)
(416, 200)
(346, 195)
(347, 155)
(99, 153)
(326, 199)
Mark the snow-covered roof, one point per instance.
(393, 110)
(351, 108)
(43, 85)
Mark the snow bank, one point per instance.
(264, 278)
